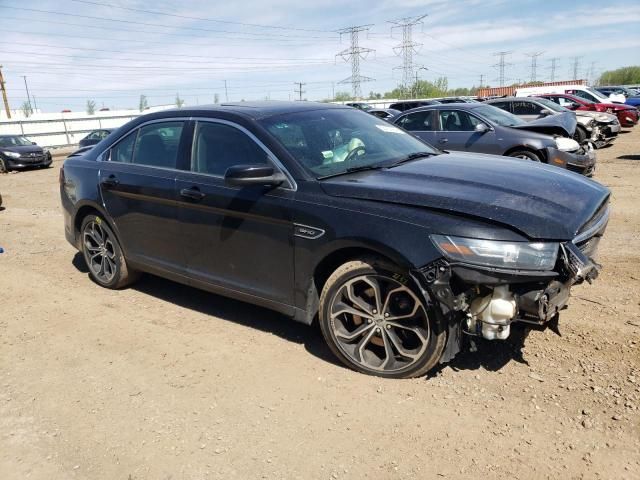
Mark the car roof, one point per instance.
(254, 110)
(445, 106)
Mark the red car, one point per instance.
(627, 116)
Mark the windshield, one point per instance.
(333, 141)
(16, 141)
(596, 93)
(498, 116)
(553, 106)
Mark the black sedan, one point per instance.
(384, 113)
(477, 127)
(94, 137)
(323, 211)
(18, 152)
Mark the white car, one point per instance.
(581, 91)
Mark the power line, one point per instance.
(575, 67)
(501, 66)
(354, 54)
(534, 63)
(553, 68)
(174, 15)
(408, 47)
(299, 90)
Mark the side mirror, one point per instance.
(545, 113)
(482, 128)
(242, 175)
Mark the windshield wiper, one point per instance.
(361, 168)
(411, 157)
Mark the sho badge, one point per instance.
(305, 231)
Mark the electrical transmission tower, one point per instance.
(299, 90)
(575, 68)
(554, 65)
(534, 63)
(408, 47)
(354, 54)
(501, 66)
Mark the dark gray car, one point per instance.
(482, 128)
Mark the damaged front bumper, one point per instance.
(485, 302)
(582, 161)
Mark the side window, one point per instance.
(123, 150)
(217, 146)
(157, 144)
(94, 135)
(103, 134)
(580, 93)
(557, 100)
(457, 121)
(418, 122)
(501, 105)
(526, 108)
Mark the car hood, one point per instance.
(562, 123)
(541, 201)
(23, 149)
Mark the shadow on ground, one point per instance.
(629, 157)
(229, 310)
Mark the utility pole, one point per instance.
(299, 89)
(554, 64)
(575, 67)
(591, 73)
(481, 80)
(354, 54)
(501, 66)
(333, 90)
(4, 94)
(534, 64)
(416, 89)
(226, 92)
(27, 89)
(408, 47)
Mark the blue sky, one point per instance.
(112, 52)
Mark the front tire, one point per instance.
(526, 154)
(103, 255)
(377, 322)
(580, 135)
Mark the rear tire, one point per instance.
(103, 255)
(526, 154)
(377, 322)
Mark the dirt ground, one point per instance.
(163, 381)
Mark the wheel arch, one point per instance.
(88, 209)
(528, 148)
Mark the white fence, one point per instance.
(63, 129)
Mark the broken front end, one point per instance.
(482, 287)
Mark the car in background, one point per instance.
(481, 128)
(360, 106)
(384, 113)
(94, 137)
(582, 91)
(627, 116)
(456, 100)
(401, 251)
(598, 132)
(632, 97)
(409, 104)
(18, 153)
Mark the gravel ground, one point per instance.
(162, 381)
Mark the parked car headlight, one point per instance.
(566, 144)
(498, 254)
(602, 117)
(11, 154)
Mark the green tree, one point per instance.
(179, 101)
(342, 96)
(91, 107)
(143, 105)
(620, 76)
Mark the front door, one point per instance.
(457, 132)
(236, 238)
(421, 124)
(137, 183)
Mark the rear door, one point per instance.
(137, 183)
(422, 124)
(235, 238)
(457, 132)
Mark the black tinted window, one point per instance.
(157, 144)
(418, 121)
(457, 121)
(217, 147)
(501, 105)
(123, 150)
(526, 108)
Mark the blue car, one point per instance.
(632, 100)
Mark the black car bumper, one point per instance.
(583, 162)
(28, 162)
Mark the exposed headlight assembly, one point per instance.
(11, 154)
(566, 144)
(498, 254)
